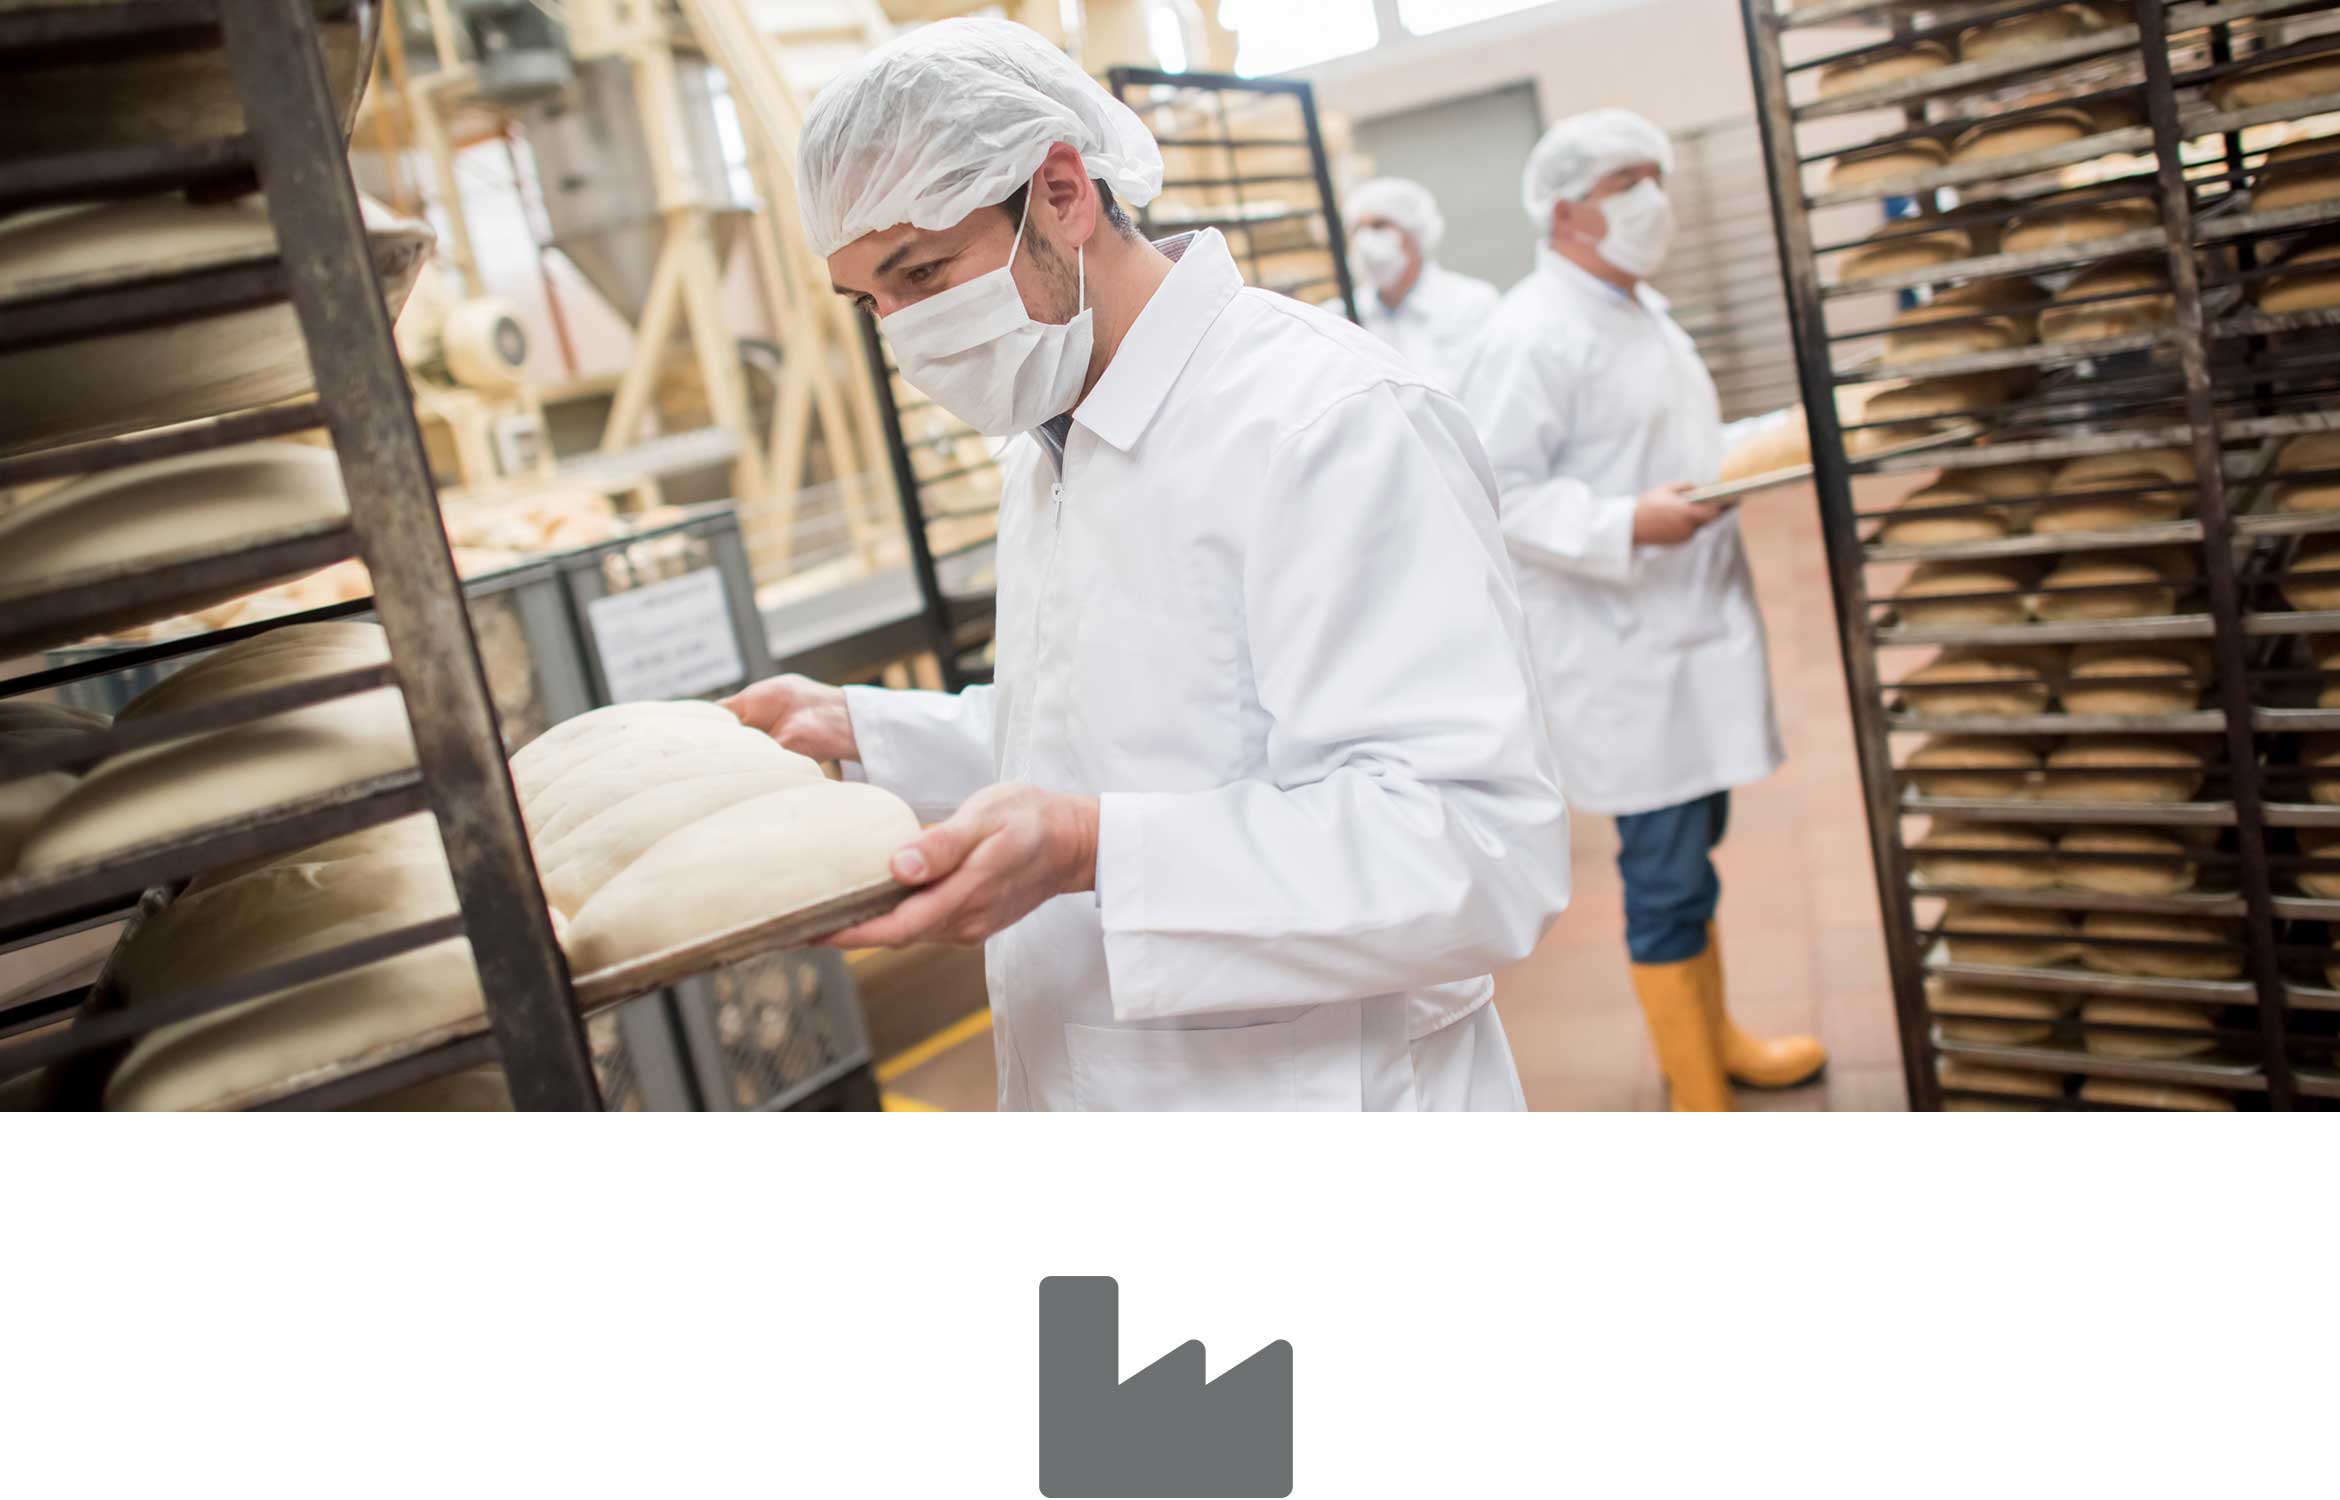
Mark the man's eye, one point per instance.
(920, 275)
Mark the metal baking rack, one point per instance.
(2219, 378)
(290, 146)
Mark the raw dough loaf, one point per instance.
(2056, 227)
(775, 853)
(2152, 770)
(536, 764)
(1962, 682)
(2113, 953)
(1990, 1015)
(222, 500)
(1956, 1073)
(1984, 854)
(1996, 140)
(1874, 71)
(1887, 164)
(1922, 405)
(2071, 320)
(632, 819)
(1924, 601)
(2153, 863)
(2180, 1031)
(2167, 474)
(1970, 765)
(25, 800)
(2307, 283)
(271, 1044)
(1910, 525)
(2297, 175)
(2308, 453)
(2126, 1094)
(2176, 687)
(163, 790)
(2117, 588)
(2319, 751)
(1786, 444)
(2019, 937)
(2315, 574)
(2324, 844)
(2279, 82)
(1894, 249)
(2014, 36)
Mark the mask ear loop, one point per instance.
(1021, 221)
(1080, 253)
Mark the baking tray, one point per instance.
(2035, 810)
(2065, 898)
(2048, 632)
(2240, 1077)
(1733, 489)
(2045, 544)
(2201, 721)
(114, 595)
(653, 971)
(2105, 986)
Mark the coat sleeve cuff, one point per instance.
(1610, 552)
(1121, 897)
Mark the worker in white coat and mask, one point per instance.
(1261, 796)
(1405, 298)
(1649, 646)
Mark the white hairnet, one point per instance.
(1581, 150)
(953, 117)
(1406, 204)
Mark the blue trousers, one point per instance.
(1670, 884)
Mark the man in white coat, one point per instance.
(1405, 298)
(1648, 643)
(1261, 795)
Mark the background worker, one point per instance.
(1649, 645)
(1430, 315)
(1260, 798)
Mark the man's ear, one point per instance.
(1067, 194)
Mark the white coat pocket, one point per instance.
(1311, 1062)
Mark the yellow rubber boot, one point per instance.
(1690, 1055)
(1758, 1062)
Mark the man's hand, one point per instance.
(1662, 518)
(805, 716)
(1006, 850)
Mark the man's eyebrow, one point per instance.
(886, 266)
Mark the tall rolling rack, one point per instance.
(2085, 906)
(291, 147)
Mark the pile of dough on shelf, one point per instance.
(2096, 677)
(2109, 859)
(654, 826)
(2062, 588)
(2084, 768)
(2092, 493)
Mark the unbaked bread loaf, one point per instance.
(2122, 768)
(1927, 599)
(2298, 174)
(2314, 577)
(2320, 844)
(2107, 586)
(2014, 36)
(1963, 681)
(1922, 406)
(1917, 521)
(1896, 248)
(1995, 140)
(163, 790)
(2279, 82)
(1992, 1015)
(2308, 282)
(1872, 165)
(2076, 317)
(1785, 444)
(2124, 677)
(538, 763)
(2124, 861)
(2321, 752)
(1978, 318)
(2018, 937)
(2310, 452)
(2002, 856)
(2175, 1030)
(2148, 488)
(26, 725)
(1972, 765)
(2058, 225)
(2124, 1093)
(1878, 69)
(771, 854)
(1957, 1073)
(2121, 944)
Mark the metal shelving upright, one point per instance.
(2221, 382)
(290, 147)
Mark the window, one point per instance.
(1422, 17)
(1272, 36)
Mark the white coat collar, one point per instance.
(1167, 331)
(1552, 263)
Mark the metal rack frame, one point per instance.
(292, 148)
(2217, 377)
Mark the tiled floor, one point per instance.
(1799, 915)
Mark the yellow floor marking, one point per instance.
(918, 1054)
(903, 1104)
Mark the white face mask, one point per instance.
(1377, 256)
(1641, 223)
(981, 355)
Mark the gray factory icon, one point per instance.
(1164, 1432)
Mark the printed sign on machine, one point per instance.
(667, 640)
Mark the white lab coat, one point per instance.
(1437, 327)
(1651, 659)
(1266, 615)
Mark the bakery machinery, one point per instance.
(2088, 250)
